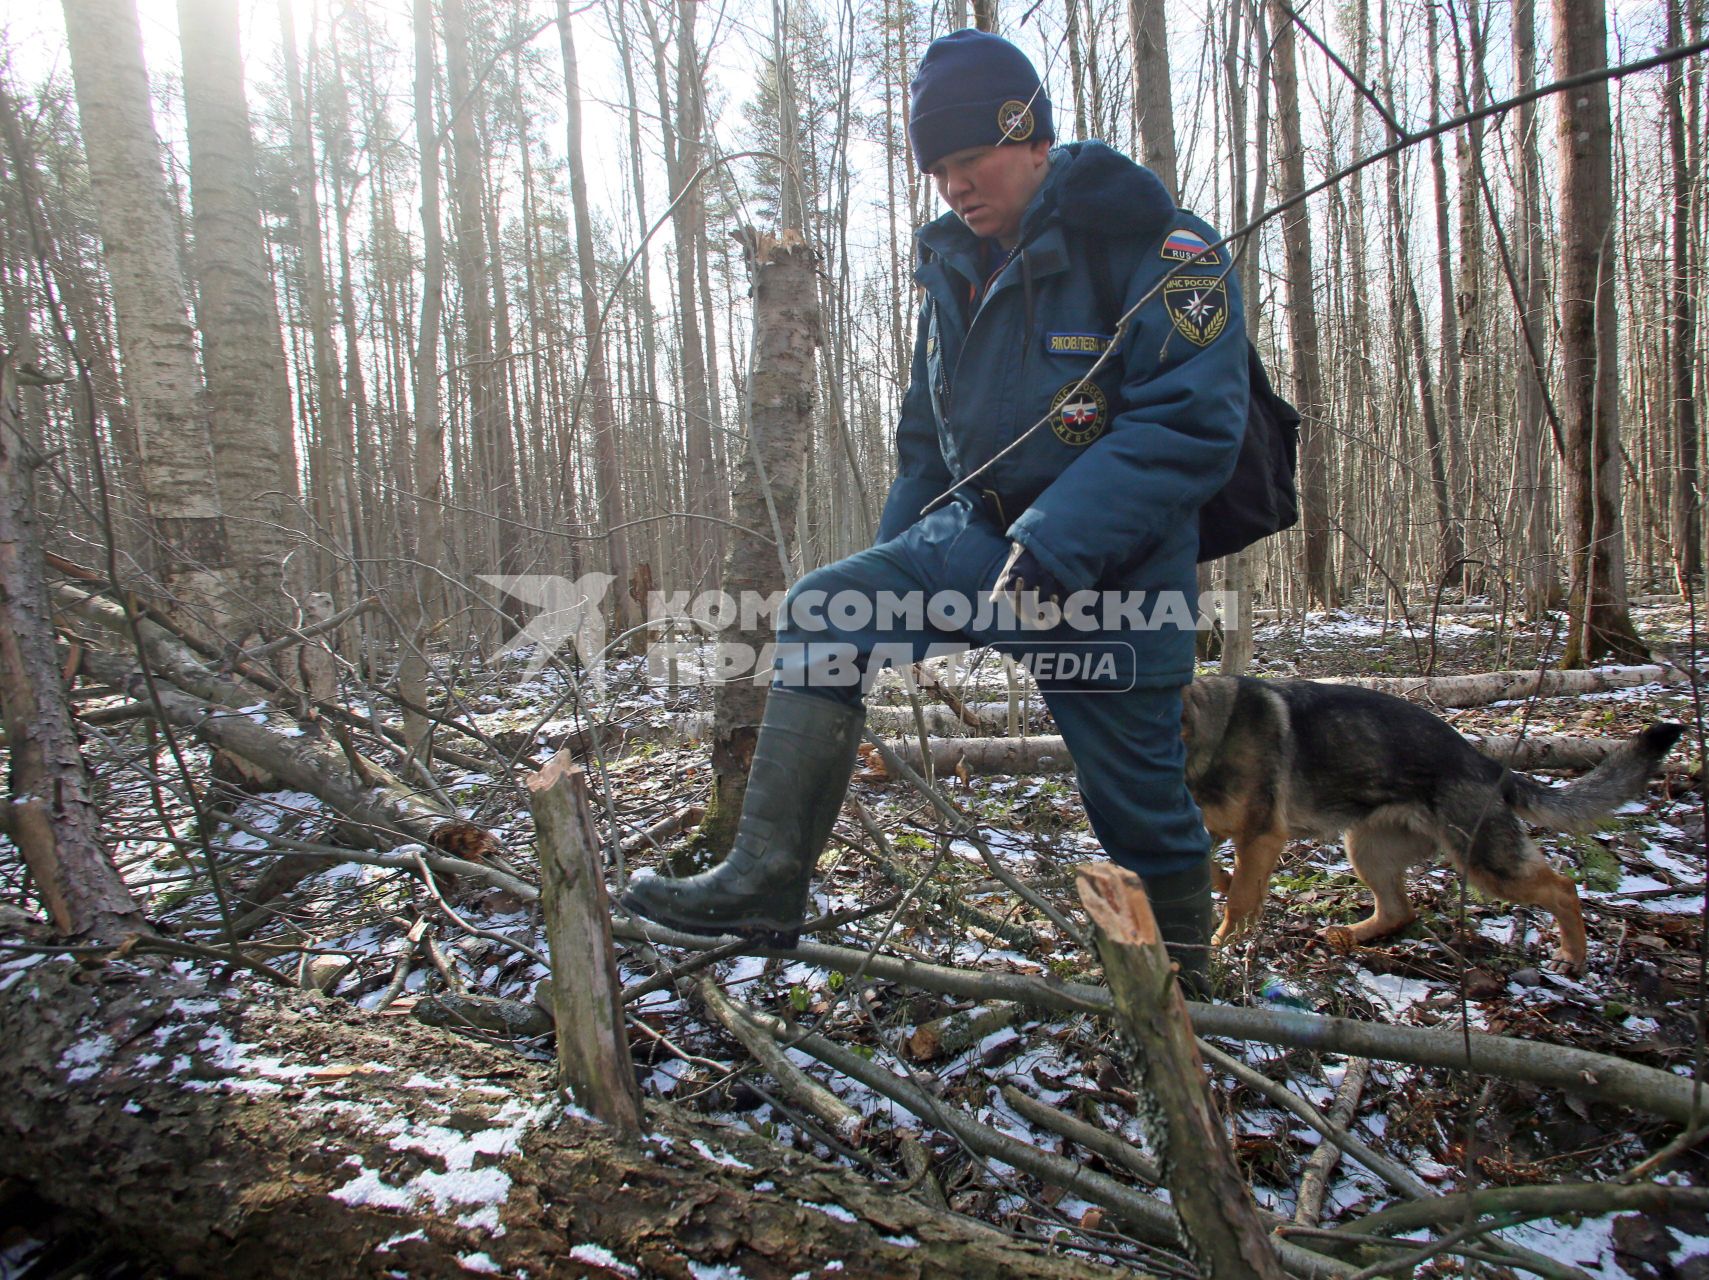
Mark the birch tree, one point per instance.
(249, 399)
(139, 241)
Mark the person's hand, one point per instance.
(1030, 589)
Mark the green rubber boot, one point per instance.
(1181, 901)
(796, 786)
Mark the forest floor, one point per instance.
(1641, 877)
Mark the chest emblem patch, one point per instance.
(1198, 305)
(1015, 119)
(1079, 413)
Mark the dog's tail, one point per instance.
(1580, 805)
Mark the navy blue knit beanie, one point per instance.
(975, 89)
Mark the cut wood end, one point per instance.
(871, 763)
(548, 775)
(1114, 898)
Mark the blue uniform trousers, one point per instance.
(1112, 683)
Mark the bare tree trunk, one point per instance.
(249, 400)
(1149, 29)
(328, 425)
(1302, 319)
(53, 819)
(1416, 345)
(608, 476)
(1682, 317)
(1541, 573)
(1076, 69)
(418, 598)
(139, 239)
(1453, 429)
(1590, 393)
(780, 392)
(1477, 385)
(494, 463)
(689, 223)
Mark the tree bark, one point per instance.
(53, 818)
(221, 1140)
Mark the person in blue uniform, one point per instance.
(1051, 468)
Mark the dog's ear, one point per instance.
(1206, 706)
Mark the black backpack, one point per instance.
(1259, 498)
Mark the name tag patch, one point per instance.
(1077, 344)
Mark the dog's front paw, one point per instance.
(1563, 961)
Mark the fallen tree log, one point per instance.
(1550, 751)
(1596, 1076)
(1048, 754)
(977, 756)
(1513, 686)
(380, 807)
(218, 1132)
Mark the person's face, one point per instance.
(990, 187)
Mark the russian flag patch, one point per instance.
(1185, 246)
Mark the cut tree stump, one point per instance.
(1213, 1200)
(593, 1052)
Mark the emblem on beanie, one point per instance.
(1015, 119)
(1079, 412)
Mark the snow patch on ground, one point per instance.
(719, 1157)
(596, 1256)
(82, 1061)
(830, 1210)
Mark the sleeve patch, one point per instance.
(1186, 246)
(1198, 306)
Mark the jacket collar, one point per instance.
(1090, 187)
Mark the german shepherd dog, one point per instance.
(1271, 760)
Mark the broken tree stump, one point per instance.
(593, 1052)
(1213, 1201)
(52, 815)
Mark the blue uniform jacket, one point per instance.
(1107, 493)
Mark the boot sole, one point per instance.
(764, 932)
